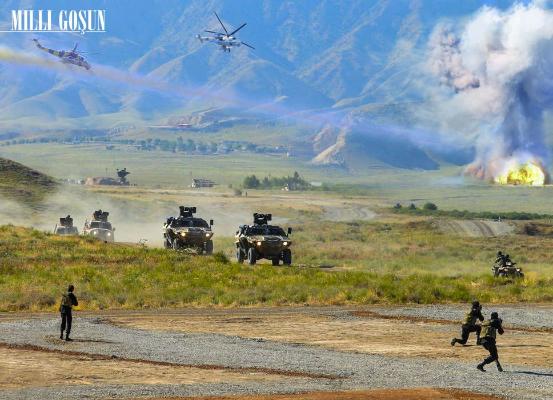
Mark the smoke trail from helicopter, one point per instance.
(316, 119)
(152, 83)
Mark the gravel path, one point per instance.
(357, 371)
(526, 316)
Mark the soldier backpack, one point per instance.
(66, 300)
(488, 330)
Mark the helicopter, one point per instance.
(67, 57)
(225, 40)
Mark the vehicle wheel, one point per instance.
(239, 256)
(276, 261)
(252, 258)
(287, 257)
(209, 247)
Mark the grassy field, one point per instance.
(383, 187)
(382, 263)
(24, 185)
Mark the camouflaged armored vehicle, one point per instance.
(188, 232)
(99, 227)
(261, 240)
(65, 227)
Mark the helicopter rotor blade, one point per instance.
(221, 22)
(215, 33)
(236, 30)
(245, 44)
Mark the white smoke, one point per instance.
(498, 68)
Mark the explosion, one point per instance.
(497, 68)
(529, 173)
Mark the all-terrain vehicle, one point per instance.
(99, 227)
(507, 269)
(188, 232)
(65, 227)
(261, 240)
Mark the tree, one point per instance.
(251, 182)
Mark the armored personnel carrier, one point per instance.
(99, 227)
(188, 232)
(65, 227)
(261, 240)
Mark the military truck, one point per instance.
(65, 227)
(261, 240)
(187, 232)
(99, 226)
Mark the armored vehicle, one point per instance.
(66, 227)
(188, 232)
(99, 227)
(261, 240)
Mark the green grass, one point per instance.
(405, 247)
(465, 214)
(35, 267)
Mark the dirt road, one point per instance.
(475, 228)
(279, 350)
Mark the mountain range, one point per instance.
(356, 57)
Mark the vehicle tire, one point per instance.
(209, 247)
(287, 257)
(276, 261)
(252, 258)
(239, 256)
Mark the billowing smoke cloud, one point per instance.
(498, 71)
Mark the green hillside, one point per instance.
(23, 184)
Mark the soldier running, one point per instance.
(470, 325)
(489, 330)
(68, 300)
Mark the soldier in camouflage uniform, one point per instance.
(489, 330)
(470, 325)
(68, 300)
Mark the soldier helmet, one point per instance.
(499, 253)
(476, 303)
(70, 288)
(495, 315)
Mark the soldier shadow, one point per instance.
(92, 341)
(533, 373)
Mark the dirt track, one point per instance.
(397, 394)
(475, 228)
(279, 350)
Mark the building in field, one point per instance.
(202, 183)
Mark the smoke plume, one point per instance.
(496, 74)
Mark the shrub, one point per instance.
(430, 206)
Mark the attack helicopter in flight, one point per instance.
(66, 56)
(225, 40)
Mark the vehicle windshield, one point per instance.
(189, 223)
(100, 225)
(265, 230)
